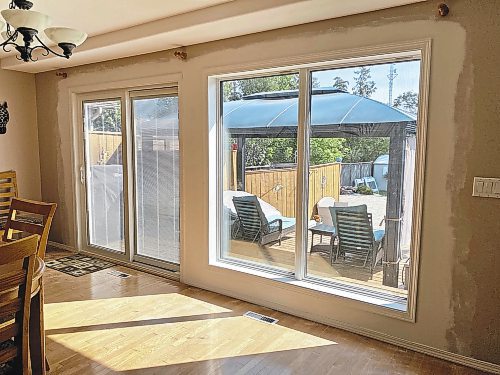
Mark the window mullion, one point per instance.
(302, 194)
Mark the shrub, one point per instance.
(366, 190)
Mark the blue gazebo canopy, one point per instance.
(332, 111)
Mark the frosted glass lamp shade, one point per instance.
(65, 35)
(4, 35)
(26, 19)
(2, 25)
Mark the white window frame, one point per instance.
(377, 302)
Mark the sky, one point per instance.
(407, 78)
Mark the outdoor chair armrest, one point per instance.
(280, 222)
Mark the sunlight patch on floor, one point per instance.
(175, 343)
(125, 309)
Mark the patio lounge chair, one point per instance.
(253, 224)
(362, 208)
(324, 205)
(357, 237)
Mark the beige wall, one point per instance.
(19, 146)
(458, 296)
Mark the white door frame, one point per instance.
(128, 159)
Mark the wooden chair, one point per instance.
(32, 218)
(8, 190)
(18, 258)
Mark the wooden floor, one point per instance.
(102, 324)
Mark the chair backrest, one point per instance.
(32, 218)
(17, 262)
(333, 211)
(8, 190)
(323, 206)
(355, 232)
(251, 217)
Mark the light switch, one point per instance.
(486, 187)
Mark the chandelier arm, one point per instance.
(47, 49)
(9, 42)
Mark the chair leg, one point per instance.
(366, 259)
(37, 334)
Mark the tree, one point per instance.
(364, 149)
(363, 86)
(340, 84)
(269, 151)
(107, 119)
(235, 90)
(326, 150)
(231, 91)
(407, 101)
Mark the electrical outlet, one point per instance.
(486, 187)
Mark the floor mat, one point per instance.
(78, 265)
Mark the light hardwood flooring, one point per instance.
(102, 324)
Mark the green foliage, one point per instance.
(340, 84)
(235, 90)
(407, 101)
(108, 120)
(326, 150)
(268, 151)
(364, 149)
(363, 189)
(363, 85)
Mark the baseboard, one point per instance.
(421, 348)
(61, 246)
(175, 276)
(417, 347)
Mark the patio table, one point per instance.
(323, 230)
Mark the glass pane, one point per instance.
(156, 125)
(259, 143)
(104, 174)
(362, 165)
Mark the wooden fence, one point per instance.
(102, 146)
(351, 171)
(278, 186)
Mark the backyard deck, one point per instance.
(318, 263)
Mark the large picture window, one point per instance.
(327, 196)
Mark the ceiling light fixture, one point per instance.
(24, 26)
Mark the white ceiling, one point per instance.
(122, 28)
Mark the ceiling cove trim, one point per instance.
(226, 20)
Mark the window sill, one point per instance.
(379, 302)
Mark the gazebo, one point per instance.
(334, 114)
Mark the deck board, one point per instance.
(318, 263)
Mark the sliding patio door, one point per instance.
(104, 175)
(155, 122)
(130, 176)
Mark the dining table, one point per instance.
(36, 324)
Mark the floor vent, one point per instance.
(122, 275)
(260, 317)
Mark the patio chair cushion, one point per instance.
(378, 234)
(288, 222)
(267, 209)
